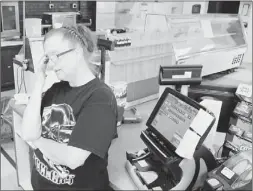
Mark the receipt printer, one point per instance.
(174, 136)
(233, 174)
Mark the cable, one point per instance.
(23, 80)
(17, 79)
(217, 154)
(25, 86)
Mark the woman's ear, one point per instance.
(79, 52)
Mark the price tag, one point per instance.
(186, 75)
(244, 90)
(227, 173)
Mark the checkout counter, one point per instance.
(128, 140)
(122, 148)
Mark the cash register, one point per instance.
(176, 130)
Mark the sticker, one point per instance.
(143, 163)
(244, 90)
(176, 140)
(157, 188)
(186, 75)
(149, 176)
(227, 173)
(213, 182)
(201, 122)
(188, 144)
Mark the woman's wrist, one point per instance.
(40, 78)
(41, 75)
(36, 142)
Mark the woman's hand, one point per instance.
(43, 66)
(41, 71)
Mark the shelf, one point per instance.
(241, 137)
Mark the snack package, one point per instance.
(238, 145)
(120, 91)
(235, 130)
(244, 92)
(247, 135)
(243, 109)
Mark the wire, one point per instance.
(17, 79)
(19, 85)
(23, 80)
(217, 154)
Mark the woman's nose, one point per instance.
(56, 67)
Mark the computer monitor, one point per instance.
(226, 94)
(173, 116)
(9, 25)
(180, 75)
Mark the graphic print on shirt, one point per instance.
(58, 122)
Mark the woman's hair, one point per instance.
(78, 35)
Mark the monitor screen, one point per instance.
(173, 118)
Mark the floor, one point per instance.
(8, 173)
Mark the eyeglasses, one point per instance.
(55, 57)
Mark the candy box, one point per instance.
(243, 109)
(244, 92)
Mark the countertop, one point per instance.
(5, 43)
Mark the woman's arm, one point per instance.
(62, 154)
(31, 124)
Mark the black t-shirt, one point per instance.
(83, 117)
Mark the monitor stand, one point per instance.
(183, 89)
(107, 45)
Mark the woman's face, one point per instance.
(62, 57)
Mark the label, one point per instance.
(244, 90)
(143, 163)
(149, 176)
(186, 75)
(176, 140)
(227, 173)
(157, 188)
(213, 182)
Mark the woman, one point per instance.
(73, 123)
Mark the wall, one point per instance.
(132, 14)
(35, 9)
(187, 8)
(248, 54)
(105, 15)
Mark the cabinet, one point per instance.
(7, 75)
